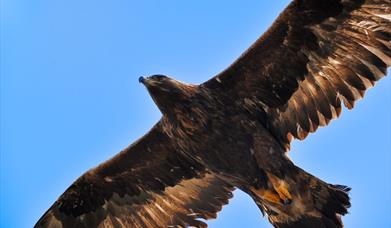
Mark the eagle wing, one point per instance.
(317, 54)
(149, 184)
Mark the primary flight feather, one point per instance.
(233, 131)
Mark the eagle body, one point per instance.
(244, 153)
(209, 121)
(234, 130)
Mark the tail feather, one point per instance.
(314, 204)
(335, 202)
(339, 199)
(309, 222)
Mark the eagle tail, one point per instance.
(314, 203)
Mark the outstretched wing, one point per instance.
(148, 184)
(315, 55)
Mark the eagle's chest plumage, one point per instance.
(224, 139)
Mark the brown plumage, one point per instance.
(234, 130)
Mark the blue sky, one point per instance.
(70, 98)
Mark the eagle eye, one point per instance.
(158, 76)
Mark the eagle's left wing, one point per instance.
(149, 184)
(315, 55)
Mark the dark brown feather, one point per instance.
(148, 184)
(233, 129)
(338, 47)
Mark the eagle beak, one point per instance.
(147, 81)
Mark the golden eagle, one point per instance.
(234, 130)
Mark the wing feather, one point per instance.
(317, 54)
(149, 184)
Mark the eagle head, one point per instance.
(169, 95)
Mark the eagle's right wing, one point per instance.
(316, 54)
(148, 184)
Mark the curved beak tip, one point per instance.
(141, 79)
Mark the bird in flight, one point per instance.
(234, 130)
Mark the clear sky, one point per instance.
(70, 98)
